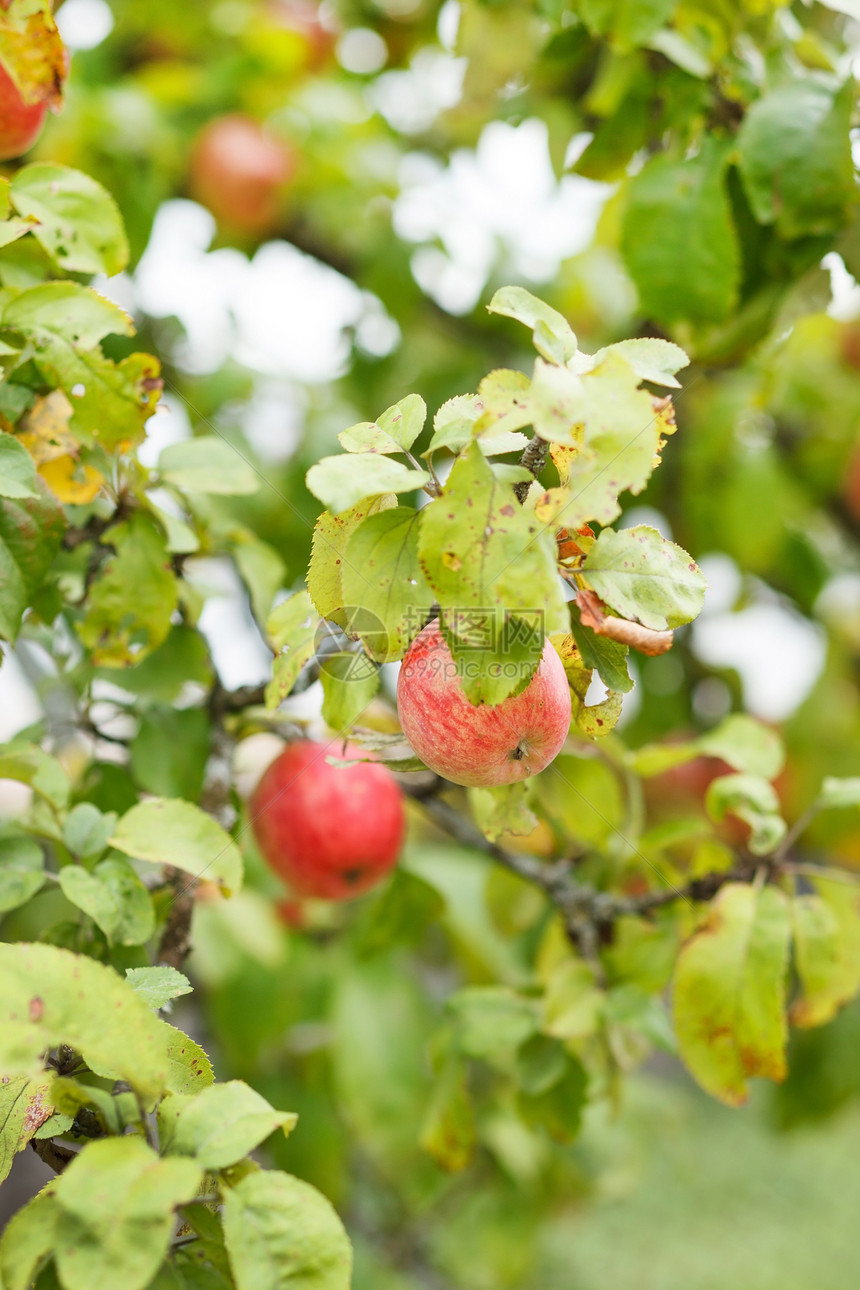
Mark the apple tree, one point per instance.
(679, 881)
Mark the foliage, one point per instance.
(443, 1039)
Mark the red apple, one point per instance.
(488, 744)
(20, 123)
(331, 832)
(239, 172)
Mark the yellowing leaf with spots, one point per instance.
(729, 992)
(44, 430)
(31, 50)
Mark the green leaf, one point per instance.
(79, 223)
(261, 569)
(208, 464)
(27, 1241)
(291, 628)
(827, 951)
(30, 765)
(401, 914)
(678, 239)
(501, 657)
(642, 576)
(65, 312)
(49, 996)
(24, 1106)
(503, 810)
(91, 895)
(170, 751)
(838, 793)
(795, 157)
(557, 403)
(449, 1133)
(551, 333)
(492, 1020)
(652, 360)
(454, 423)
(752, 799)
(174, 832)
(182, 658)
(136, 921)
(17, 469)
(188, 1068)
(746, 744)
(503, 397)
(540, 1063)
(220, 1125)
(65, 322)
(281, 1234)
(343, 482)
(572, 1004)
(30, 533)
(628, 23)
(22, 872)
(86, 830)
(558, 1108)
(607, 657)
(729, 992)
(395, 431)
(349, 682)
(158, 985)
(11, 230)
(116, 1219)
(479, 549)
(328, 553)
(130, 606)
(179, 537)
(382, 573)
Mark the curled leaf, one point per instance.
(643, 639)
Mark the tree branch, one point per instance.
(175, 943)
(534, 459)
(587, 912)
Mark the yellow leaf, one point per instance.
(32, 51)
(70, 481)
(45, 428)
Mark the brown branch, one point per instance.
(587, 912)
(534, 459)
(175, 944)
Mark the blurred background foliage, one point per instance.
(622, 159)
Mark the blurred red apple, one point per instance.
(331, 832)
(20, 123)
(239, 172)
(488, 744)
(683, 788)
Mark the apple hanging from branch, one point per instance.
(331, 832)
(485, 745)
